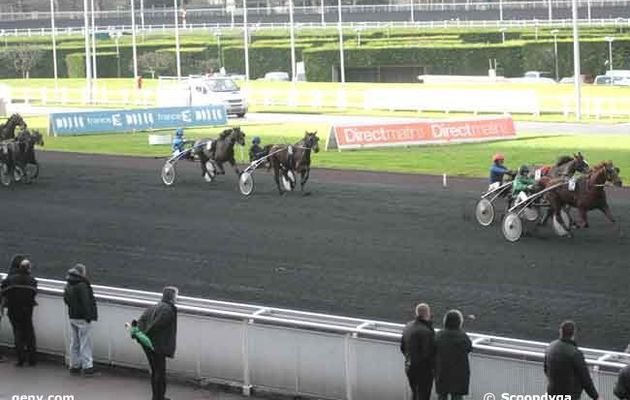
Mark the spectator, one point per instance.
(18, 296)
(79, 298)
(159, 323)
(622, 388)
(418, 346)
(565, 367)
(452, 371)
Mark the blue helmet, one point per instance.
(256, 140)
(179, 132)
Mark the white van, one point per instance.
(200, 90)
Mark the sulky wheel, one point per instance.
(168, 174)
(288, 181)
(5, 175)
(484, 211)
(18, 173)
(211, 172)
(557, 227)
(246, 183)
(531, 214)
(512, 227)
(32, 171)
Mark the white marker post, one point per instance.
(444, 184)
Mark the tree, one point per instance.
(23, 58)
(156, 62)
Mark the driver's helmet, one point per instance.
(498, 157)
(256, 140)
(179, 132)
(523, 170)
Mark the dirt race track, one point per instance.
(363, 244)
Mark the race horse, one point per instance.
(295, 157)
(588, 194)
(565, 167)
(7, 130)
(220, 151)
(25, 155)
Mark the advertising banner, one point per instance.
(91, 122)
(422, 132)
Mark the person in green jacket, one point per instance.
(522, 182)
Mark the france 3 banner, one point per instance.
(112, 121)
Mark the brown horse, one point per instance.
(297, 157)
(588, 194)
(220, 151)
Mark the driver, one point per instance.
(522, 182)
(498, 170)
(256, 152)
(179, 143)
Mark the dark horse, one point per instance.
(25, 155)
(565, 167)
(220, 151)
(295, 157)
(588, 194)
(7, 130)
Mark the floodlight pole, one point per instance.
(555, 53)
(576, 63)
(246, 40)
(342, 67)
(177, 55)
(93, 42)
(292, 37)
(88, 63)
(133, 40)
(54, 42)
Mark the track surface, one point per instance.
(363, 244)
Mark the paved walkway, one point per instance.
(52, 378)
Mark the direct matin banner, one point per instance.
(86, 123)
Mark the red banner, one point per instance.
(424, 132)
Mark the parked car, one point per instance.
(277, 76)
(612, 80)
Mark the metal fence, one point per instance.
(293, 352)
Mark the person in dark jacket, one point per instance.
(79, 297)
(18, 296)
(565, 367)
(159, 323)
(418, 346)
(452, 370)
(622, 387)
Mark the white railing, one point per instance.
(293, 352)
(420, 99)
(192, 13)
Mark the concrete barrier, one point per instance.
(292, 352)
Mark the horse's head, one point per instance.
(311, 141)
(17, 120)
(37, 138)
(580, 164)
(612, 174)
(238, 136)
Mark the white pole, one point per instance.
(133, 40)
(501, 10)
(413, 18)
(93, 42)
(292, 34)
(177, 55)
(342, 66)
(323, 11)
(550, 10)
(610, 39)
(246, 40)
(88, 63)
(555, 55)
(588, 5)
(576, 63)
(54, 42)
(142, 15)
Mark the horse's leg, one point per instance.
(202, 162)
(232, 162)
(608, 214)
(276, 175)
(583, 223)
(305, 174)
